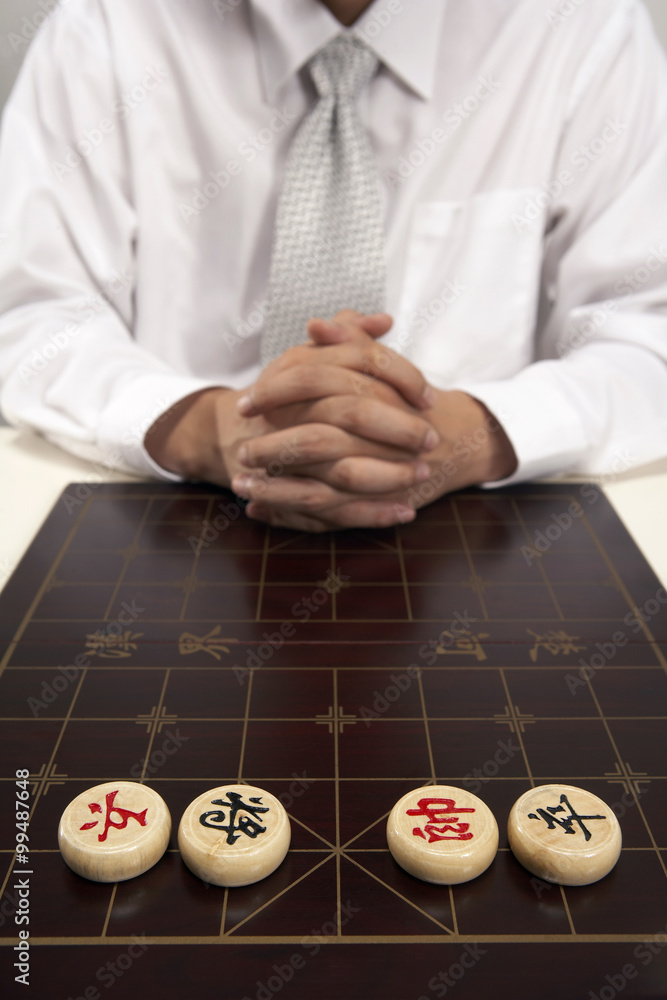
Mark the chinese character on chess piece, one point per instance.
(257, 837)
(456, 850)
(443, 821)
(111, 808)
(567, 822)
(111, 646)
(129, 836)
(556, 641)
(236, 825)
(564, 834)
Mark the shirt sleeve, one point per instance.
(594, 400)
(69, 366)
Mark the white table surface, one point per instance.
(34, 474)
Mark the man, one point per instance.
(522, 152)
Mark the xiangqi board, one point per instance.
(504, 640)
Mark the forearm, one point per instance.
(75, 374)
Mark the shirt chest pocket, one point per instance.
(471, 289)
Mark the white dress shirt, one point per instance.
(522, 154)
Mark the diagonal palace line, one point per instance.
(224, 912)
(245, 730)
(401, 896)
(375, 542)
(262, 575)
(305, 827)
(109, 909)
(451, 903)
(278, 895)
(427, 782)
(373, 545)
(404, 575)
(365, 830)
(567, 910)
(280, 545)
(245, 781)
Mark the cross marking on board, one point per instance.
(340, 717)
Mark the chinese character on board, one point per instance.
(443, 819)
(112, 646)
(554, 642)
(209, 643)
(466, 643)
(247, 823)
(125, 815)
(566, 823)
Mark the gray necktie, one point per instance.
(328, 249)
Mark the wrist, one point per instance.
(184, 440)
(500, 459)
(474, 446)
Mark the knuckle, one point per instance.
(415, 432)
(356, 413)
(306, 443)
(311, 443)
(409, 475)
(380, 358)
(346, 475)
(290, 358)
(359, 383)
(253, 455)
(279, 364)
(350, 315)
(387, 394)
(354, 355)
(418, 377)
(259, 392)
(312, 497)
(307, 376)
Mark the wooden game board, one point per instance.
(443, 651)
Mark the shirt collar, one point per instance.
(290, 32)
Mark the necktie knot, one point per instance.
(342, 68)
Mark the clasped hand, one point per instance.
(348, 431)
(336, 433)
